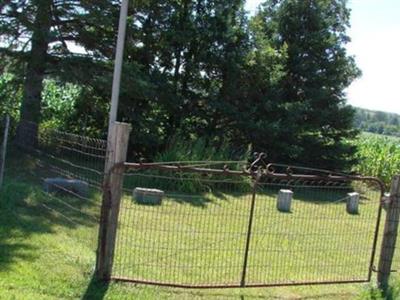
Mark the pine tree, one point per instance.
(36, 33)
(317, 72)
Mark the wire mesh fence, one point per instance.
(205, 229)
(65, 154)
(192, 231)
(318, 240)
(68, 170)
(208, 230)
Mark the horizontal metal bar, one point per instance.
(187, 169)
(265, 173)
(232, 286)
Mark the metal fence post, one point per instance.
(389, 235)
(112, 192)
(249, 228)
(4, 149)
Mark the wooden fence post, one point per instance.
(112, 191)
(4, 149)
(389, 235)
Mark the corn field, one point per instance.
(378, 156)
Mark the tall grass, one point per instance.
(378, 156)
(197, 153)
(198, 150)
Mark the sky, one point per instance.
(375, 35)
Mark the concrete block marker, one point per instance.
(148, 196)
(353, 200)
(67, 186)
(284, 200)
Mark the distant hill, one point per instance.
(377, 122)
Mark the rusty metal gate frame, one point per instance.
(255, 171)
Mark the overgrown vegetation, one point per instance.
(10, 96)
(195, 153)
(59, 102)
(378, 156)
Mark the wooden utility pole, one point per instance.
(4, 149)
(112, 193)
(119, 55)
(117, 147)
(389, 235)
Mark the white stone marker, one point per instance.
(284, 200)
(352, 203)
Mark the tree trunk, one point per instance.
(35, 71)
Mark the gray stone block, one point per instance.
(353, 200)
(284, 201)
(67, 186)
(148, 196)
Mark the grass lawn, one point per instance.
(48, 255)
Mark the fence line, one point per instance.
(57, 158)
(200, 234)
(68, 154)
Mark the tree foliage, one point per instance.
(193, 68)
(317, 70)
(377, 122)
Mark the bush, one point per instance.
(58, 104)
(10, 100)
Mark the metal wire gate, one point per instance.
(220, 227)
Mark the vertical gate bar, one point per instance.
(249, 230)
(376, 234)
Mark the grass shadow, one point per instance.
(200, 200)
(27, 211)
(187, 188)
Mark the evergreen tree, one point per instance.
(36, 33)
(317, 71)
